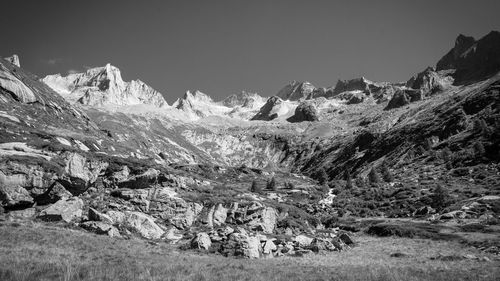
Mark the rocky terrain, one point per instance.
(305, 171)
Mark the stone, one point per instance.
(100, 227)
(65, 210)
(55, 193)
(80, 172)
(172, 235)
(14, 196)
(116, 217)
(201, 241)
(95, 215)
(344, 237)
(142, 181)
(23, 214)
(269, 247)
(239, 244)
(219, 215)
(263, 220)
(303, 241)
(143, 225)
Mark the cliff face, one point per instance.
(102, 87)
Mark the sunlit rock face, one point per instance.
(104, 86)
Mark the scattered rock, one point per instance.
(303, 241)
(142, 224)
(100, 227)
(344, 237)
(201, 241)
(14, 196)
(65, 210)
(55, 193)
(95, 215)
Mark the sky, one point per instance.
(223, 47)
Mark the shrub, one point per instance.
(322, 176)
(479, 149)
(386, 174)
(271, 184)
(348, 180)
(373, 176)
(439, 198)
(255, 187)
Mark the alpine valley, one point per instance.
(303, 172)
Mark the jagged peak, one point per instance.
(14, 59)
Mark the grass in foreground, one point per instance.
(32, 251)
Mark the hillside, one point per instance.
(301, 172)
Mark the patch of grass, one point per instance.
(41, 252)
(410, 230)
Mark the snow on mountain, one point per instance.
(104, 87)
(199, 105)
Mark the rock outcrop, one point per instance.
(471, 59)
(430, 82)
(305, 111)
(404, 97)
(14, 59)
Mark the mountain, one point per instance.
(472, 60)
(193, 173)
(14, 59)
(102, 87)
(296, 90)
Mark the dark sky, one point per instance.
(222, 47)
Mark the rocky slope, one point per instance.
(203, 175)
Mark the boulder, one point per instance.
(264, 220)
(55, 193)
(14, 196)
(240, 244)
(144, 180)
(143, 225)
(305, 111)
(344, 237)
(219, 215)
(173, 235)
(116, 217)
(23, 214)
(95, 215)
(303, 241)
(80, 172)
(175, 211)
(100, 227)
(201, 241)
(269, 247)
(65, 210)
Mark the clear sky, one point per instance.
(223, 47)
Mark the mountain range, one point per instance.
(91, 142)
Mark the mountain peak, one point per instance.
(296, 90)
(103, 86)
(14, 59)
